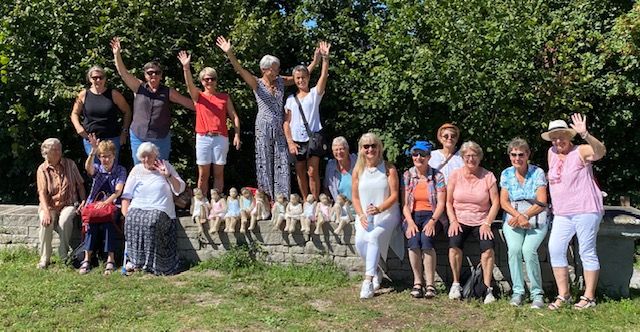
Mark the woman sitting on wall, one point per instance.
(337, 178)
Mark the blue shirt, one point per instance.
(106, 181)
(344, 187)
(533, 180)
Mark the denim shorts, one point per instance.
(420, 240)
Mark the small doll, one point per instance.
(293, 213)
(260, 210)
(218, 211)
(308, 214)
(323, 212)
(199, 209)
(278, 211)
(342, 213)
(246, 205)
(233, 211)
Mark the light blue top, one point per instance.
(533, 180)
(344, 187)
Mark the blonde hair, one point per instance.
(368, 138)
(473, 146)
(47, 144)
(208, 71)
(106, 146)
(95, 68)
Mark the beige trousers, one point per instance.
(62, 223)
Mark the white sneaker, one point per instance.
(377, 279)
(489, 298)
(455, 293)
(366, 292)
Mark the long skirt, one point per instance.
(151, 241)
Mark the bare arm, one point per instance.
(176, 97)
(122, 104)
(286, 126)
(392, 179)
(125, 206)
(324, 74)
(288, 80)
(226, 47)
(185, 60)
(129, 80)
(88, 164)
(231, 113)
(495, 204)
(355, 195)
(595, 149)
(76, 111)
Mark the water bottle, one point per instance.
(370, 219)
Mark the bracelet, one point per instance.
(169, 177)
(487, 223)
(125, 130)
(586, 134)
(434, 219)
(525, 215)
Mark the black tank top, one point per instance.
(101, 114)
(151, 113)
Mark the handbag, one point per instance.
(317, 141)
(91, 214)
(474, 287)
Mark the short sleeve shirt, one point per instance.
(106, 181)
(533, 180)
(311, 107)
(471, 198)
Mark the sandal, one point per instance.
(108, 268)
(555, 305)
(85, 267)
(417, 292)
(430, 292)
(589, 303)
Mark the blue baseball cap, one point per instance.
(422, 145)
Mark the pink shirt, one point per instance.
(572, 185)
(471, 199)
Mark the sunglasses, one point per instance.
(153, 72)
(97, 78)
(447, 136)
(422, 154)
(520, 154)
(209, 79)
(369, 146)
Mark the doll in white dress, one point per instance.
(260, 209)
(233, 211)
(246, 205)
(278, 211)
(323, 213)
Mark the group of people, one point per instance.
(446, 190)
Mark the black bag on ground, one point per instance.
(474, 287)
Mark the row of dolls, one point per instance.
(249, 208)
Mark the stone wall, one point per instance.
(19, 227)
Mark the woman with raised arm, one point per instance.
(99, 107)
(212, 138)
(151, 113)
(272, 154)
(302, 123)
(577, 206)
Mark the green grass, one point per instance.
(239, 291)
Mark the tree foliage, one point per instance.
(498, 69)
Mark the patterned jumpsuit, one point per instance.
(272, 153)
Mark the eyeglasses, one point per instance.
(420, 153)
(513, 154)
(449, 136)
(209, 79)
(470, 156)
(369, 146)
(97, 78)
(153, 72)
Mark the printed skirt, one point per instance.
(151, 241)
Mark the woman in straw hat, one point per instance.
(577, 205)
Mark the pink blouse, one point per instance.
(471, 199)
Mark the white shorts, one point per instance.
(211, 149)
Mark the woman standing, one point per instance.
(151, 113)
(424, 203)
(108, 178)
(60, 188)
(99, 107)
(147, 204)
(302, 119)
(523, 196)
(577, 205)
(212, 138)
(472, 205)
(337, 178)
(375, 199)
(272, 155)
(447, 159)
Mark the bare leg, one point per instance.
(429, 266)
(487, 260)
(415, 258)
(314, 176)
(562, 281)
(590, 284)
(455, 261)
(203, 178)
(218, 177)
(301, 175)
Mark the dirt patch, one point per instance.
(206, 300)
(321, 305)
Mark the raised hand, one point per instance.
(185, 58)
(324, 47)
(93, 141)
(224, 44)
(115, 45)
(579, 123)
(161, 167)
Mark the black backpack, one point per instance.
(474, 287)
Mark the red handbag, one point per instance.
(93, 215)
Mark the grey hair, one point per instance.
(269, 60)
(340, 140)
(473, 146)
(301, 69)
(518, 143)
(147, 147)
(47, 144)
(92, 69)
(208, 71)
(152, 64)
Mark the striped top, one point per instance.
(572, 185)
